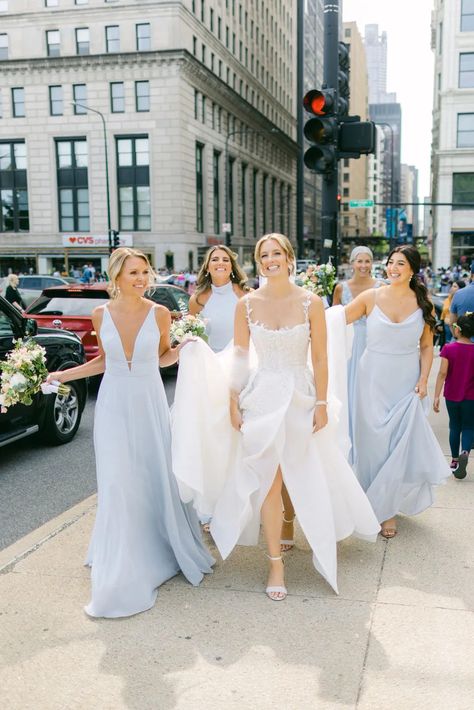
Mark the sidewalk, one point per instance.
(399, 635)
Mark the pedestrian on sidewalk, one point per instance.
(398, 460)
(143, 534)
(456, 372)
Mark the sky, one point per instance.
(409, 70)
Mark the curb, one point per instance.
(24, 547)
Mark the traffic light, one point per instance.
(356, 138)
(115, 238)
(343, 88)
(321, 130)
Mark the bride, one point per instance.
(281, 413)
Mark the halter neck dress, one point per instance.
(143, 533)
(219, 312)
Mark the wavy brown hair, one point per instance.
(237, 275)
(413, 257)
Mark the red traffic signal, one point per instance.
(320, 103)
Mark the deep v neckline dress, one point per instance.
(143, 534)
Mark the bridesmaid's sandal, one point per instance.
(276, 593)
(287, 545)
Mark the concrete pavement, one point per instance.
(399, 635)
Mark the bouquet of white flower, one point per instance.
(187, 326)
(22, 373)
(319, 279)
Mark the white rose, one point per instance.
(18, 381)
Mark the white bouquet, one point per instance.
(188, 326)
(319, 279)
(22, 373)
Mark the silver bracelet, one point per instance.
(321, 401)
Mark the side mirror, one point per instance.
(31, 327)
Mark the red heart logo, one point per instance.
(72, 239)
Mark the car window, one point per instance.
(6, 328)
(33, 282)
(66, 306)
(48, 281)
(163, 297)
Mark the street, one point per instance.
(39, 482)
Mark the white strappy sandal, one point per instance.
(276, 590)
(288, 544)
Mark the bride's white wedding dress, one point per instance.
(143, 533)
(277, 406)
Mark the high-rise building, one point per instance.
(376, 56)
(354, 174)
(409, 194)
(376, 180)
(452, 160)
(195, 102)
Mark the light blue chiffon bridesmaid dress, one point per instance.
(358, 347)
(398, 460)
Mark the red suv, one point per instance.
(70, 307)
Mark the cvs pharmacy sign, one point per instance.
(94, 240)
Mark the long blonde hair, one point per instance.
(284, 243)
(116, 264)
(13, 280)
(237, 276)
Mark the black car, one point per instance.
(55, 417)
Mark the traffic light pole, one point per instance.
(300, 186)
(329, 226)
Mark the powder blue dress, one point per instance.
(143, 534)
(358, 347)
(398, 460)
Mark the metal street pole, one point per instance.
(300, 185)
(109, 221)
(227, 175)
(393, 221)
(329, 225)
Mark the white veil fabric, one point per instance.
(205, 447)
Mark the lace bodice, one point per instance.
(283, 348)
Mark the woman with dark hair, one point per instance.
(220, 284)
(397, 458)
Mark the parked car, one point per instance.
(71, 307)
(56, 417)
(30, 286)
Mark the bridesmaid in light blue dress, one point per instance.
(398, 460)
(361, 259)
(143, 534)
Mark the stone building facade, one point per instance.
(192, 101)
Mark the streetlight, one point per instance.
(393, 223)
(109, 225)
(241, 131)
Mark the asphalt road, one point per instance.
(39, 482)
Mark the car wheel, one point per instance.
(62, 416)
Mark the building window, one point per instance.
(112, 38)
(3, 46)
(117, 97)
(467, 16)
(14, 215)
(79, 93)
(18, 102)
(254, 202)
(203, 109)
(230, 192)
(1, 104)
(143, 37)
(273, 225)
(243, 198)
(466, 70)
(73, 190)
(82, 40)
(53, 43)
(56, 100)
(211, 20)
(465, 133)
(463, 190)
(199, 188)
(216, 191)
(142, 95)
(264, 203)
(282, 211)
(81, 2)
(133, 178)
(51, 3)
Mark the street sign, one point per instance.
(361, 203)
(226, 227)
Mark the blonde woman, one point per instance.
(221, 282)
(143, 534)
(280, 412)
(12, 293)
